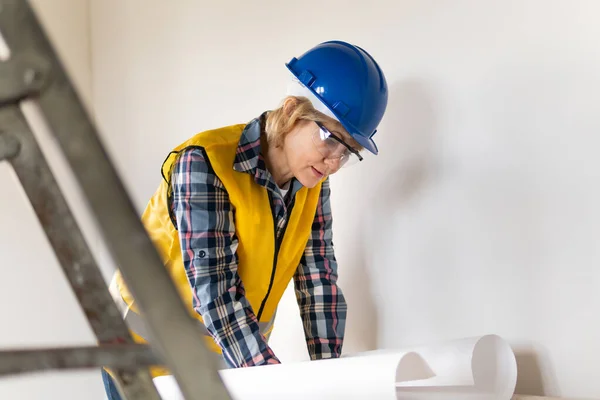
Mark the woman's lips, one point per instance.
(317, 172)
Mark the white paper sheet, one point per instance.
(472, 368)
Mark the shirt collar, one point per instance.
(247, 156)
(249, 159)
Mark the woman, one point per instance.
(242, 210)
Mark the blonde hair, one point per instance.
(278, 124)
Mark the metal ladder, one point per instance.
(34, 72)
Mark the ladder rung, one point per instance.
(118, 356)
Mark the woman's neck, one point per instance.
(276, 161)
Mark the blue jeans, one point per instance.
(110, 387)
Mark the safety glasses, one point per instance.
(334, 148)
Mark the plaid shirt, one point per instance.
(205, 221)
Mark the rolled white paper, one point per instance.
(473, 368)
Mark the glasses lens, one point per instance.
(350, 160)
(324, 143)
(332, 147)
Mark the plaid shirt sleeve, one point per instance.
(205, 222)
(321, 302)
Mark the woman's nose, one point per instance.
(333, 164)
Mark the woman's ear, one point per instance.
(289, 105)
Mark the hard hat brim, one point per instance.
(365, 142)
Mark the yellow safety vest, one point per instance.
(264, 278)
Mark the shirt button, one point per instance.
(201, 254)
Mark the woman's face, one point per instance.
(310, 157)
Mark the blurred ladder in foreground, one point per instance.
(32, 71)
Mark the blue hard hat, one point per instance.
(348, 81)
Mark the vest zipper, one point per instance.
(277, 246)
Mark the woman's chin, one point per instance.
(309, 181)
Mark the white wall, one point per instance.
(39, 308)
(480, 214)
